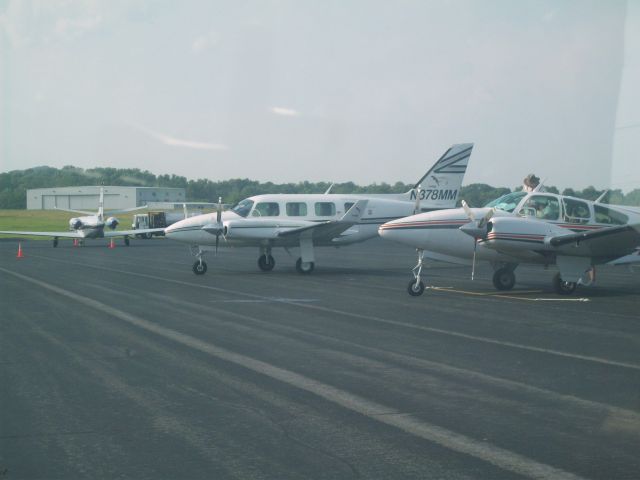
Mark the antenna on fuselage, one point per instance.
(601, 197)
(329, 189)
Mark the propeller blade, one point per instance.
(468, 211)
(219, 213)
(473, 265)
(483, 221)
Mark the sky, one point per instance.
(286, 91)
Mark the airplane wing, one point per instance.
(68, 234)
(140, 231)
(610, 242)
(133, 209)
(82, 212)
(330, 229)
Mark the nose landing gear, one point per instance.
(416, 286)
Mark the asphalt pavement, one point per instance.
(121, 363)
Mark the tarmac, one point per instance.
(121, 363)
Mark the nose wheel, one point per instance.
(416, 286)
(200, 267)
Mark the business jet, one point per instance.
(306, 221)
(524, 227)
(91, 225)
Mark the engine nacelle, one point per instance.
(517, 233)
(111, 222)
(75, 223)
(250, 230)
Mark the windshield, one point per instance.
(507, 202)
(243, 208)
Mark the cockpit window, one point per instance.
(266, 209)
(576, 211)
(508, 202)
(607, 215)
(541, 206)
(243, 208)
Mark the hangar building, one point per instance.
(87, 198)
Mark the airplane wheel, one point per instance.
(562, 287)
(415, 290)
(199, 268)
(504, 279)
(266, 263)
(126, 241)
(55, 242)
(148, 236)
(304, 267)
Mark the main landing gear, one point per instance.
(266, 262)
(504, 279)
(561, 287)
(416, 287)
(304, 267)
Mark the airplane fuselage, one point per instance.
(439, 232)
(260, 219)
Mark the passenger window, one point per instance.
(266, 209)
(347, 206)
(576, 211)
(296, 209)
(608, 216)
(325, 209)
(542, 207)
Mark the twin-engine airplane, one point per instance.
(92, 225)
(522, 227)
(307, 221)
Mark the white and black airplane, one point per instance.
(305, 221)
(524, 227)
(91, 225)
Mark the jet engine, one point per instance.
(112, 222)
(75, 224)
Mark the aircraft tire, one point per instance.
(304, 268)
(415, 290)
(266, 263)
(200, 268)
(561, 287)
(504, 279)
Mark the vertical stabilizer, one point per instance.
(440, 186)
(101, 205)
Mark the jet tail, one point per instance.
(440, 187)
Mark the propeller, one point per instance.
(217, 228)
(417, 188)
(475, 229)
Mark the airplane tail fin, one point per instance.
(440, 187)
(101, 205)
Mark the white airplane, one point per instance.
(524, 227)
(307, 221)
(92, 225)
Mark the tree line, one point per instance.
(14, 184)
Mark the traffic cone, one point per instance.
(20, 254)
(112, 244)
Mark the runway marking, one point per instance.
(513, 297)
(398, 323)
(497, 456)
(268, 300)
(629, 416)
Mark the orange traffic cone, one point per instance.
(20, 254)
(112, 244)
